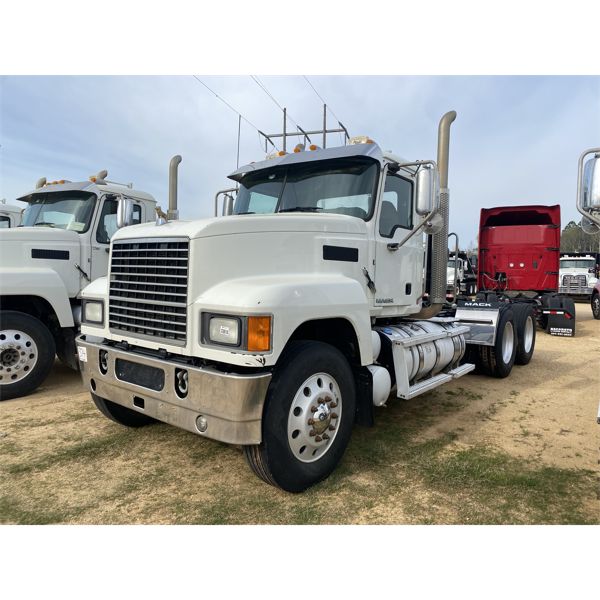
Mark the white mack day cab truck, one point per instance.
(61, 245)
(280, 326)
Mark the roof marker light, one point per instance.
(313, 147)
(299, 148)
(360, 139)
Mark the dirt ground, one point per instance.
(61, 461)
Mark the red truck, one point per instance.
(519, 251)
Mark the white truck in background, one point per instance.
(578, 275)
(61, 245)
(10, 215)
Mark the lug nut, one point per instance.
(311, 421)
(313, 409)
(325, 436)
(333, 405)
(332, 428)
(318, 439)
(312, 433)
(334, 415)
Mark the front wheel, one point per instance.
(596, 305)
(307, 419)
(26, 354)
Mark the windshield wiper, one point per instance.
(44, 223)
(301, 209)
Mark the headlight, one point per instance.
(224, 330)
(248, 333)
(93, 312)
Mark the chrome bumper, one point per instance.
(231, 404)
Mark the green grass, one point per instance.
(389, 473)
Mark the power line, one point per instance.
(263, 87)
(237, 112)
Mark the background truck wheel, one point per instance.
(525, 324)
(498, 360)
(121, 415)
(596, 305)
(26, 354)
(307, 419)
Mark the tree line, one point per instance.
(574, 239)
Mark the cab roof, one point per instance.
(89, 186)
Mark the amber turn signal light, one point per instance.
(259, 334)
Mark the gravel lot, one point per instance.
(518, 450)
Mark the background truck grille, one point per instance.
(573, 283)
(148, 288)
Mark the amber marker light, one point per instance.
(259, 334)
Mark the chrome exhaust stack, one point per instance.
(173, 212)
(438, 244)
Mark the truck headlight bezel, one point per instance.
(254, 332)
(92, 319)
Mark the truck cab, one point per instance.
(61, 245)
(10, 215)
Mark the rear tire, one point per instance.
(307, 418)
(498, 360)
(27, 352)
(525, 325)
(596, 305)
(121, 415)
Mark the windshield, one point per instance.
(451, 263)
(62, 210)
(577, 264)
(338, 186)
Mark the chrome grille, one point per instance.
(148, 288)
(573, 284)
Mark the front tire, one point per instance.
(121, 415)
(307, 419)
(596, 305)
(498, 360)
(27, 352)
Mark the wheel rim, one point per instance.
(508, 342)
(528, 334)
(18, 356)
(314, 418)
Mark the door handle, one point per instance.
(393, 247)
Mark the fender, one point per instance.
(43, 283)
(292, 300)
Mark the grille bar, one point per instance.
(148, 288)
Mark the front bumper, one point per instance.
(575, 291)
(231, 404)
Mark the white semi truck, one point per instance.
(61, 245)
(577, 275)
(10, 215)
(280, 326)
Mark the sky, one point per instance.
(516, 139)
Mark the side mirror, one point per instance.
(590, 190)
(124, 212)
(227, 205)
(426, 191)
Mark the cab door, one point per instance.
(398, 266)
(105, 228)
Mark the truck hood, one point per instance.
(38, 234)
(237, 224)
(35, 248)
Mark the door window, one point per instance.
(108, 220)
(4, 222)
(396, 207)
